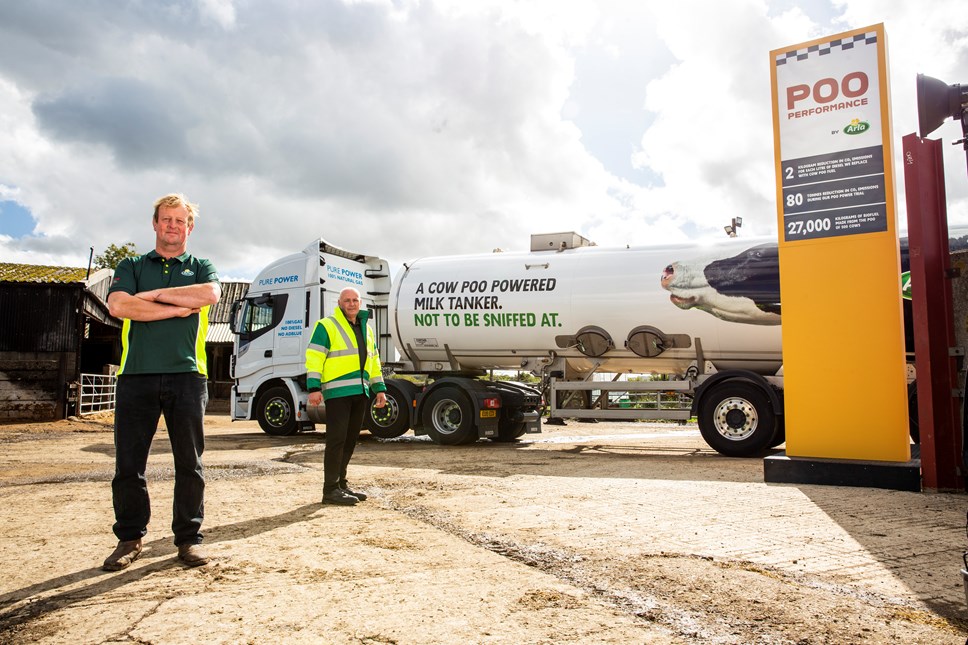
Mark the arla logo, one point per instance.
(906, 285)
(857, 127)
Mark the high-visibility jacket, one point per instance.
(333, 359)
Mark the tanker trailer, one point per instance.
(708, 316)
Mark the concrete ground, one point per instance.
(587, 533)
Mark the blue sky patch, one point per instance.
(15, 220)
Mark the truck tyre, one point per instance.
(276, 413)
(508, 430)
(736, 419)
(448, 417)
(780, 437)
(393, 419)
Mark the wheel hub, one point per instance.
(386, 415)
(735, 419)
(448, 417)
(277, 412)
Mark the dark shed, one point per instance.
(54, 325)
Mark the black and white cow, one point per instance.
(744, 288)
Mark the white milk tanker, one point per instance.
(706, 318)
(599, 309)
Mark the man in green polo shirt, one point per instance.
(163, 297)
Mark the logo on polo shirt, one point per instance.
(188, 272)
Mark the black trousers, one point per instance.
(141, 400)
(344, 419)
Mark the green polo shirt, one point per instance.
(168, 346)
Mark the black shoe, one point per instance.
(340, 497)
(346, 489)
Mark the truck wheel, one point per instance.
(393, 419)
(275, 412)
(509, 431)
(448, 417)
(780, 437)
(736, 419)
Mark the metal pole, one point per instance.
(939, 413)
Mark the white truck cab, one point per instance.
(275, 320)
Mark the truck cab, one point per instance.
(273, 324)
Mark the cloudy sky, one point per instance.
(407, 128)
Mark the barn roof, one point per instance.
(221, 311)
(220, 315)
(10, 272)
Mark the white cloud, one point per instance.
(221, 11)
(412, 128)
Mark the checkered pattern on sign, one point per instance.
(825, 48)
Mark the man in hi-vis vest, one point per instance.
(342, 366)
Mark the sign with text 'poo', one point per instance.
(843, 325)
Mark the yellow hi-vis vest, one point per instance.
(333, 359)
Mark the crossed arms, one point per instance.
(160, 304)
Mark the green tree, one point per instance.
(113, 255)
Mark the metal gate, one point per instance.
(97, 393)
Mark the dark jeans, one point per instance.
(141, 400)
(344, 418)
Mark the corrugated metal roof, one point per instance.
(219, 333)
(221, 312)
(10, 272)
(219, 316)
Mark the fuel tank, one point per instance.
(638, 309)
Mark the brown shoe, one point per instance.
(126, 553)
(192, 554)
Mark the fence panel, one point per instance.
(97, 393)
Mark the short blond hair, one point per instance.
(176, 200)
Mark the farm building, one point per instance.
(54, 326)
(56, 333)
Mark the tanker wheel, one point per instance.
(508, 431)
(448, 417)
(736, 419)
(393, 419)
(275, 412)
(780, 437)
